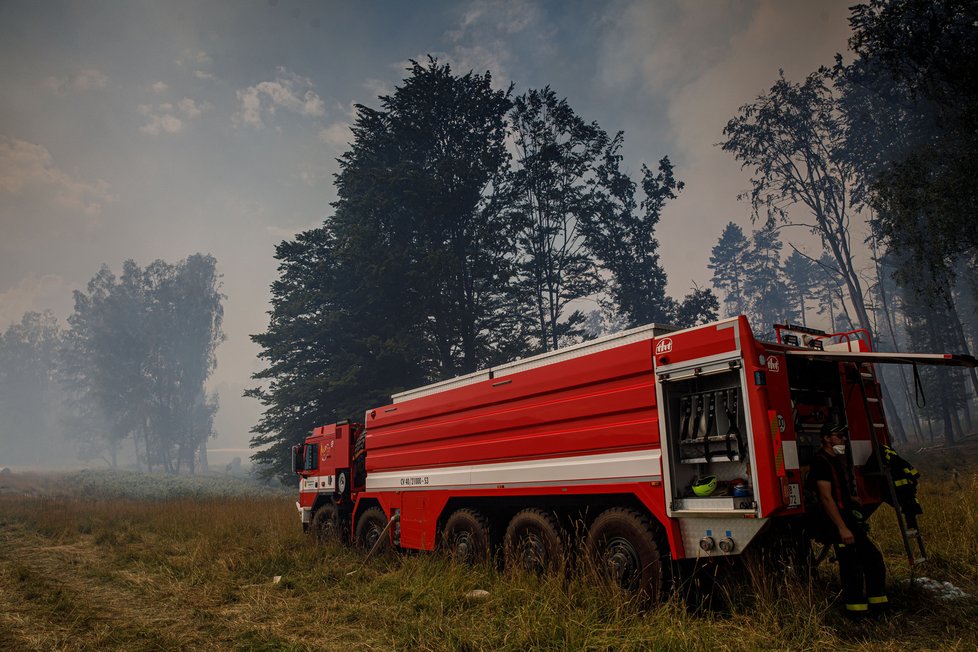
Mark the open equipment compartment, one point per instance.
(816, 398)
(706, 432)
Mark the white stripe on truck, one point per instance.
(631, 466)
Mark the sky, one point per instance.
(149, 130)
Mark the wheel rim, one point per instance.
(462, 547)
(328, 526)
(622, 561)
(373, 536)
(328, 530)
(532, 553)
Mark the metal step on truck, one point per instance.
(645, 446)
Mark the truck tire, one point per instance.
(370, 530)
(533, 543)
(467, 537)
(328, 526)
(623, 549)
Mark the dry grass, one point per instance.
(194, 574)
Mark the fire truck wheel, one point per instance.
(370, 527)
(466, 537)
(533, 542)
(622, 547)
(327, 526)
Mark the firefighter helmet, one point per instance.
(703, 487)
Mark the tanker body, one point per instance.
(650, 445)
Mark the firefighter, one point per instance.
(839, 522)
(905, 479)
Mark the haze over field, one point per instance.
(158, 130)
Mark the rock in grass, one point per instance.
(477, 594)
(276, 579)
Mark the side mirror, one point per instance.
(297, 459)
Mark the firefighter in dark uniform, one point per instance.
(905, 480)
(839, 522)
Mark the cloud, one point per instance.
(500, 16)
(164, 118)
(477, 58)
(28, 169)
(481, 35)
(659, 45)
(159, 87)
(378, 87)
(287, 91)
(194, 58)
(337, 135)
(84, 80)
(703, 60)
(159, 124)
(481, 59)
(35, 294)
(197, 61)
(193, 109)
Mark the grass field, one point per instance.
(102, 572)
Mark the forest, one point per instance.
(473, 226)
(129, 372)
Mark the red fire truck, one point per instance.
(647, 445)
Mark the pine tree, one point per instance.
(828, 291)
(799, 277)
(410, 280)
(766, 288)
(729, 264)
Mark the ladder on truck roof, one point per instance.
(862, 374)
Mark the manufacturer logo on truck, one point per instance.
(664, 346)
(773, 365)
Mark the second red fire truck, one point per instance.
(647, 445)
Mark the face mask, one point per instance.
(840, 449)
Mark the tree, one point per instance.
(31, 400)
(558, 155)
(930, 329)
(318, 354)
(700, 306)
(793, 141)
(103, 356)
(623, 240)
(829, 292)
(409, 281)
(911, 100)
(139, 352)
(799, 277)
(729, 264)
(182, 324)
(423, 190)
(766, 289)
(445, 255)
